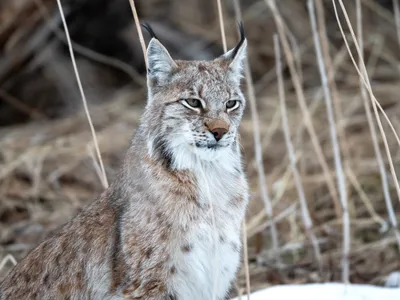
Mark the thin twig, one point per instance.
(365, 80)
(139, 29)
(221, 25)
(397, 18)
(246, 260)
(297, 58)
(292, 157)
(238, 15)
(258, 149)
(303, 106)
(89, 53)
(21, 106)
(251, 231)
(337, 104)
(340, 176)
(71, 51)
(364, 198)
(216, 271)
(374, 136)
(6, 259)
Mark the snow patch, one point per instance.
(326, 291)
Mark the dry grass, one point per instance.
(47, 172)
(102, 174)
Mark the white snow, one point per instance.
(326, 291)
(393, 280)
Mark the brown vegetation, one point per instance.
(47, 169)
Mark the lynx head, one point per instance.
(194, 107)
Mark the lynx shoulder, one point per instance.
(169, 225)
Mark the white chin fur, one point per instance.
(209, 154)
(191, 157)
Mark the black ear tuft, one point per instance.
(242, 38)
(150, 30)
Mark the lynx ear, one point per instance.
(159, 63)
(237, 55)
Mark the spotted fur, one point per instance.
(169, 226)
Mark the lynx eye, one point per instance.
(192, 103)
(232, 104)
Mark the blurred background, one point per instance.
(47, 169)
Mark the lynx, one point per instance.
(168, 227)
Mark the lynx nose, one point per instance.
(219, 133)
(218, 128)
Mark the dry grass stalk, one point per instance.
(89, 53)
(338, 61)
(297, 58)
(238, 15)
(396, 18)
(222, 26)
(259, 162)
(303, 106)
(71, 51)
(336, 101)
(365, 79)
(251, 231)
(337, 104)
(216, 271)
(374, 136)
(292, 157)
(364, 197)
(258, 151)
(246, 260)
(138, 28)
(6, 259)
(341, 180)
(21, 106)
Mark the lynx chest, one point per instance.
(210, 254)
